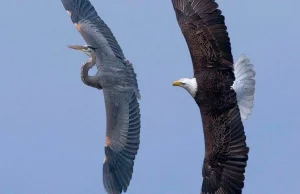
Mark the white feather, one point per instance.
(190, 85)
(244, 85)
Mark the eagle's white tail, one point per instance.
(244, 85)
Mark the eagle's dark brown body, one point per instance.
(226, 152)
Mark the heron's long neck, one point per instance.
(86, 79)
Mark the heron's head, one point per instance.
(85, 49)
(190, 84)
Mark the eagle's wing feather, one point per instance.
(226, 152)
(204, 30)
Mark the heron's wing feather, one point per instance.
(122, 139)
(133, 79)
(92, 28)
(205, 32)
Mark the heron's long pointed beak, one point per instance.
(177, 83)
(76, 47)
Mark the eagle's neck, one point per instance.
(191, 86)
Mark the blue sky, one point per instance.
(52, 126)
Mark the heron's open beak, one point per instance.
(177, 83)
(76, 47)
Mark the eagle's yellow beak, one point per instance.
(177, 83)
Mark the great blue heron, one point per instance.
(116, 77)
(224, 93)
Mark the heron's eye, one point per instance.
(92, 48)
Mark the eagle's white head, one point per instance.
(190, 84)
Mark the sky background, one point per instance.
(52, 126)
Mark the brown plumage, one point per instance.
(226, 152)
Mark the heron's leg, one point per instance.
(88, 80)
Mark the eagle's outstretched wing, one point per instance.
(226, 152)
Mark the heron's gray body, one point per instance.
(117, 79)
(116, 76)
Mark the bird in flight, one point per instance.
(223, 90)
(116, 78)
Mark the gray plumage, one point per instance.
(117, 79)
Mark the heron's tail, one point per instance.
(244, 85)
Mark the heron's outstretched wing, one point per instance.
(205, 32)
(92, 28)
(122, 139)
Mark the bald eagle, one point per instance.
(223, 90)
